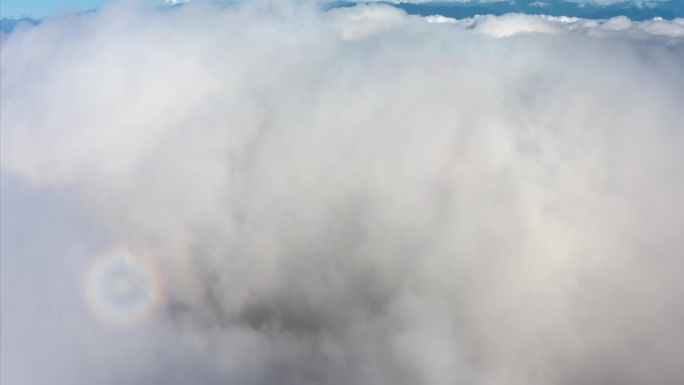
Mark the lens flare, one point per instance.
(122, 288)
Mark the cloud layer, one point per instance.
(355, 196)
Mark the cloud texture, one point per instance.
(355, 196)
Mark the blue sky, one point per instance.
(40, 8)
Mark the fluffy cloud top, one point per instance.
(667, 32)
(355, 196)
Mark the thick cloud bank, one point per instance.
(272, 194)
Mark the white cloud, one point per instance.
(362, 22)
(350, 197)
(439, 19)
(539, 4)
(512, 24)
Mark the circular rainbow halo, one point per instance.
(123, 289)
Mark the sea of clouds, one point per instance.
(353, 196)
